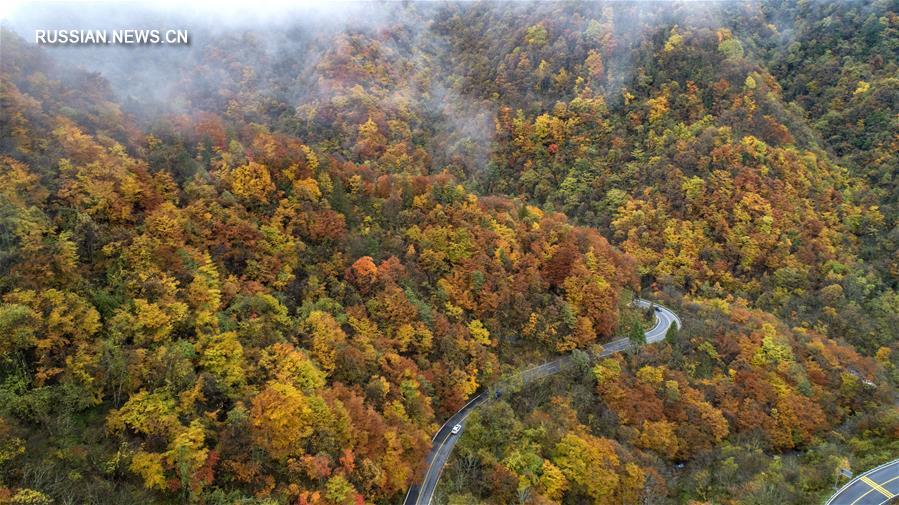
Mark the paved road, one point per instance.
(444, 440)
(874, 487)
(665, 319)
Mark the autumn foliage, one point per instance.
(275, 280)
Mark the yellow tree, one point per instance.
(50, 321)
(327, 336)
(552, 481)
(251, 182)
(590, 462)
(222, 355)
(205, 295)
(281, 420)
(285, 363)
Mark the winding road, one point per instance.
(874, 487)
(445, 440)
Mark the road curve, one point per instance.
(874, 487)
(444, 440)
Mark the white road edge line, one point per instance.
(640, 302)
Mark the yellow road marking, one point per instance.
(872, 489)
(877, 486)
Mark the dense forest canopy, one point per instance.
(265, 267)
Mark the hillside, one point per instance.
(266, 267)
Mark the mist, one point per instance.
(242, 61)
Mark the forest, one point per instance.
(265, 268)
